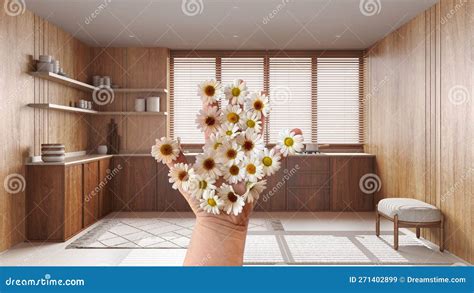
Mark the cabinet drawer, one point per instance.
(308, 199)
(308, 163)
(309, 179)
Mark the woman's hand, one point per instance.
(218, 240)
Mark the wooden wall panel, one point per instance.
(22, 39)
(131, 68)
(422, 139)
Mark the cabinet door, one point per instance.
(308, 185)
(273, 198)
(73, 200)
(345, 191)
(91, 193)
(170, 200)
(135, 187)
(106, 175)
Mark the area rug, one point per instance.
(267, 244)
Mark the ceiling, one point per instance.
(232, 24)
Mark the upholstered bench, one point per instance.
(411, 213)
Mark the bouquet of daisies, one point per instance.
(234, 152)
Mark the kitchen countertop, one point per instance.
(71, 160)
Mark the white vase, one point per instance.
(140, 105)
(153, 104)
(102, 149)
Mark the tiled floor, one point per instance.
(296, 238)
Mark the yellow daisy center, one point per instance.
(234, 170)
(258, 105)
(231, 154)
(202, 184)
(208, 164)
(289, 141)
(183, 175)
(166, 149)
(217, 145)
(235, 92)
(251, 169)
(229, 132)
(210, 90)
(250, 123)
(211, 202)
(267, 161)
(233, 117)
(232, 197)
(210, 121)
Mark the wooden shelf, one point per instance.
(137, 90)
(134, 113)
(62, 108)
(64, 80)
(86, 111)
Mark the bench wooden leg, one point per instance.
(395, 232)
(418, 232)
(377, 224)
(441, 235)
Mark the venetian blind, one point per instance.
(339, 98)
(290, 96)
(186, 74)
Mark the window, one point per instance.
(249, 69)
(338, 100)
(320, 95)
(185, 103)
(290, 96)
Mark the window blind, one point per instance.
(248, 69)
(186, 74)
(321, 95)
(339, 98)
(290, 97)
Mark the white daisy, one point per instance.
(208, 119)
(251, 143)
(233, 203)
(290, 143)
(233, 173)
(200, 184)
(253, 169)
(206, 165)
(254, 189)
(165, 150)
(232, 114)
(270, 161)
(230, 153)
(229, 130)
(214, 142)
(180, 175)
(251, 121)
(210, 91)
(210, 202)
(236, 92)
(258, 103)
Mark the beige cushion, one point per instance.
(409, 210)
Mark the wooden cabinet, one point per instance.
(106, 176)
(73, 200)
(170, 200)
(308, 183)
(53, 202)
(346, 194)
(91, 193)
(62, 199)
(273, 198)
(135, 183)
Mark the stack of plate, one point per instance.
(52, 152)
